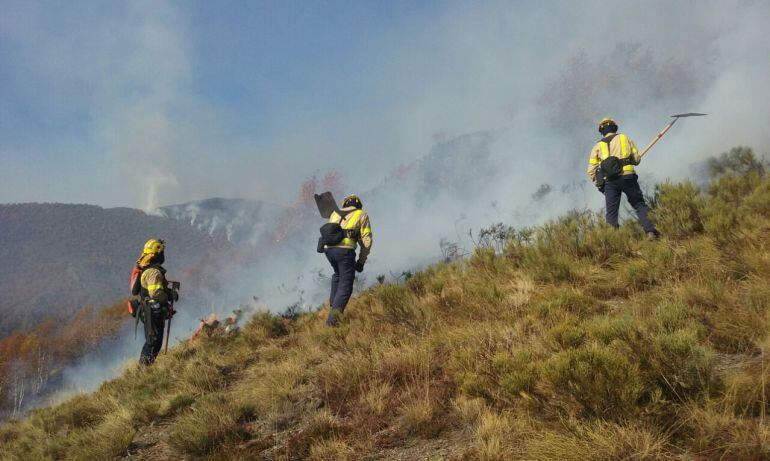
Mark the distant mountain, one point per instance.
(240, 221)
(57, 258)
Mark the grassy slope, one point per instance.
(574, 342)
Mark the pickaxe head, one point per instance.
(691, 114)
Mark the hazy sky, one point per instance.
(145, 103)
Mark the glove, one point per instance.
(601, 188)
(359, 266)
(171, 312)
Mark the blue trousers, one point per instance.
(628, 185)
(343, 262)
(153, 337)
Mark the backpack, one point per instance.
(333, 234)
(135, 287)
(612, 167)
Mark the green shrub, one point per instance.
(515, 372)
(568, 335)
(738, 161)
(614, 329)
(758, 203)
(600, 380)
(677, 213)
(671, 315)
(721, 221)
(682, 365)
(654, 264)
(604, 243)
(734, 189)
(486, 260)
(548, 265)
(548, 256)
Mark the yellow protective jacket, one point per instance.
(620, 146)
(355, 220)
(154, 283)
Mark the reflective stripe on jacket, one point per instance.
(154, 282)
(621, 147)
(356, 220)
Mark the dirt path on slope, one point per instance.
(151, 443)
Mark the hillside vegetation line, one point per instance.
(569, 341)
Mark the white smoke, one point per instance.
(479, 104)
(536, 93)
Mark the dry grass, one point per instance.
(598, 441)
(493, 437)
(575, 341)
(331, 450)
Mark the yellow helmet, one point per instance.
(352, 200)
(606, 121)
(154, 247)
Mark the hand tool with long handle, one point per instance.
(168, 333)
(668, 127)
(174, 286)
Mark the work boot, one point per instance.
(333, 319)
(653, 235)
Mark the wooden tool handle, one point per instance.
(657, 138)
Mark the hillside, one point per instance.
(59, 258)
(570, 341)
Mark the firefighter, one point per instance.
(357, 232)
(156, 298)
(611, 167)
